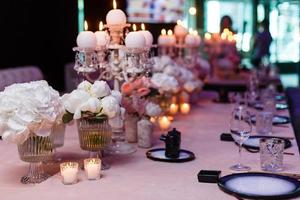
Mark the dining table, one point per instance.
(134, 176)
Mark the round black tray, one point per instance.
(159, 155)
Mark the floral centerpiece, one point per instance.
(96, 108)
(28, 112)
(137, 100)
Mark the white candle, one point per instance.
(163, 38)
(115, 16)
(102, 37)
(86, 39)
(171, 38)
(173, 109)
(185, 108)
(92, 167)
(69, 172)
(148, 36)
(135, 39)
(164, 122)
(180, 30)
(197, 38)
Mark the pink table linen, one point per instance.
(135, 176)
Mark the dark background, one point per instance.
(42, 33)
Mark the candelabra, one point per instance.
(117, 63)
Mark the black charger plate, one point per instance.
(159, 155)
(277, 119)
(260, 186)
(254, 144)
(279, 106)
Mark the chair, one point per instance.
(293, 99)
(19, 75)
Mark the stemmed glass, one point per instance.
(240, 128)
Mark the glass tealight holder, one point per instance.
(92, 168)
(69, 172)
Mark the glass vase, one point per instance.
(35, 150)
(94, 136)
(58, 134)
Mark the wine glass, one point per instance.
(240, 128)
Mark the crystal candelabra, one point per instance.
(116, 63)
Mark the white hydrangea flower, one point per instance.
(100, 89)
(153, 110)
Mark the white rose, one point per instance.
(117, 95)
(100, 89)
(110, 106)
(92, 105)
(73, 101)
(153, 109)
(84, 85)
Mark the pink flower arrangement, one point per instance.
(136, 95)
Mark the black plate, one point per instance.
(279, 106)
(260, 186)
(277, 119)
(159, 155)
(255, 142)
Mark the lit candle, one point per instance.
(171, 38)
(185, 108)
(148, 36)
(179, 30)
(102, 36)
(163, 38)
(135, 39)
(69, 172)
(173, 109)
(197, 38)
(164, 122)
(190, 39)
(86, 39)
(115, 16)
(92, 168)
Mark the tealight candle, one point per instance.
(173, 109)
(148, 36)
(92, 167)
(69, 172)
(185, 108)
(86, 39)
(115, 16)
(179, 30)
(164, 122)
(135, 39)
(163, 38)
(171, 38)
(102, 36)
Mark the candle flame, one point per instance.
(100, 26)
(134, 27)
(191, 31)
(163, 32)
(179, 22)
(114, 4)
(207, 36)
(86, 27)
(223, 36)
(226, 30)
(170, 32)
(195, 32)
(143, 26)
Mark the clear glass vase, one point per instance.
(35, 150)
(58, 134)
(94, 136)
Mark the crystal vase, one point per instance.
(94, 136)
(35, 150)
(58, 134)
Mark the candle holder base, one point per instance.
(120, 148)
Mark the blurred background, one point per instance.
(43, 33)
